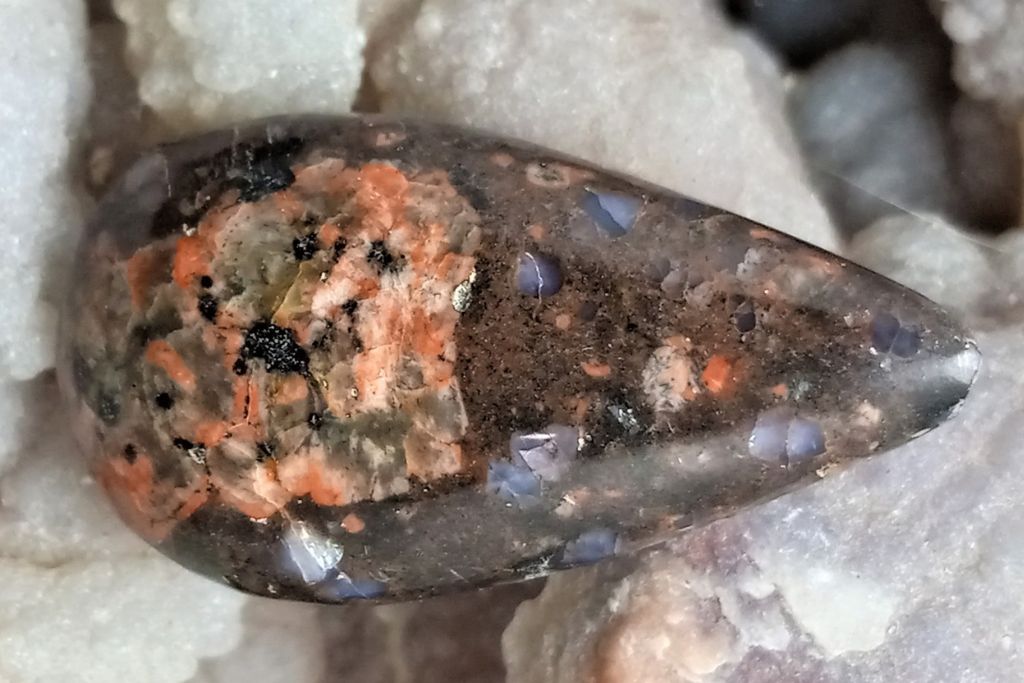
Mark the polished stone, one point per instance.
(336, 358)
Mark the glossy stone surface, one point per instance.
(336, 358)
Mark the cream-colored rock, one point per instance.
(45, 92)
(208, 64)
(672, 619)
(666, 91)
(281, 643)
(929, 255)
(75, 581)
(989, 47)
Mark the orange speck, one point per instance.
(537, 232)
(190, 260)
(502, 159)
(307, 474)
(386, 179)
(139, 274)
(210, 432)
(780, 390)
(163, 355)
(765, 234)
(563, 321)
(353, 523)
(329, 234)
(580, 406)
(596, 369)
(718, 375)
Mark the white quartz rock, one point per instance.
(282, 642)
(929, 255)
(45, 94)
(207, 64)
(666, 91)
(75, 581)
(989, 47)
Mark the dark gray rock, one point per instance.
(872, 122)
(802, 30)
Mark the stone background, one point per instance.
(889, 130)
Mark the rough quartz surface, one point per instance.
(45, 98)
(205, 64)
(546, 72)
(72, 574)
(989, 55)
(904, 161)
(893, 570)
(336, 358)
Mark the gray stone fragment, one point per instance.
(871, 123)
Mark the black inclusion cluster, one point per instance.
(276, 346)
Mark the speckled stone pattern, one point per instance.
(335, 358)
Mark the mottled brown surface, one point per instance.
(304, 356)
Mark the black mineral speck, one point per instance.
(744, 318)
(164, 401)
(109, 409)
(183, 444)
(305, 247)
(240, 367)
(384, 259)
(350, 307)
(264, 450)
(208, 307)
(206, 282)
(130, 453)
(315, 420)
(264, 173)
(276, 346)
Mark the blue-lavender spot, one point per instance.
(744, 318)
(884, 329)
(768, 438)
(614, 213)
(538, 274)
(906, 343)
(343, 587)
(804, 439)
(512, 483)
(589, 547)
(548, 453)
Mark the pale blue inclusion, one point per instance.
(589, 547)
(804, 439)
(343, 587)
(538, 274)
(512, 483)
(614, 212)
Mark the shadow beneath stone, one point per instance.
(450, 638)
